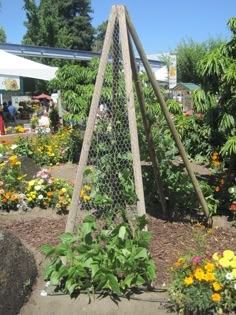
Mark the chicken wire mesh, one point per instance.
(108, 181)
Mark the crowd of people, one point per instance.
(8, 114)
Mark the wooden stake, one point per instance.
(166, 113)
(131, 111)
(75, 206)
(152, 153)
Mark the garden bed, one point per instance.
(169, 239)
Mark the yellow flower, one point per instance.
(209, 276)
(86, 198)
(181, 259)
(216, 257)
(12, 158)
(216, 285)
(188, 280)
(233, 263)
(209, 267)
(229, 254)
(31, 182)
(63, 190)
(81, 193)
(87, 187)
(216, 297)
(199, 274)
(224, 262)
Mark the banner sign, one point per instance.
(172, 71)
(9, 83)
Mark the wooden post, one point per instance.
(75, 206)
(59, 106)
(166, 113)
(131, 111)
(147, 128)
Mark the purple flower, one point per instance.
(197, 259)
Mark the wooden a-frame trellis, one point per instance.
(119, 18)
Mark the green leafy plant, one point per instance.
(113, 260)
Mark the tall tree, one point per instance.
(189, 53)
(3, 36)
(218, 71)
(31, 36)
(74, 15)
(100, 33)
(59, 23)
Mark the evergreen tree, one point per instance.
(75, 16)
(99, 36)
(3, 37)
(32, 24)
(59, 23)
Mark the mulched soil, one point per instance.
(169, 239)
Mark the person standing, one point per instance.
(12, 112)
(2, 128)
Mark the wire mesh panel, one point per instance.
(108, 181)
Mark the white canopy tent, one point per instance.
(17, 66)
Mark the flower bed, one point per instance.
(204, 284)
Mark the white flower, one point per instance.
(37, 188)
(235, 286)
(40, 197)
(229, 276)
(14, 146)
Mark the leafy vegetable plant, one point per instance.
(112, 260)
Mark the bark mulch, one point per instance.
(170, 240)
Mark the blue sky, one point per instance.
(161, 25)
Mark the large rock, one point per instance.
(18, 272)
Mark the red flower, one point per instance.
(199, 115)
(233, 207)
(187, 114)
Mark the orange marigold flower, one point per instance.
(209, 276)
(216, 297)
(177, 264)
(217, 188)
(209, 267)
(222, 181)
(216, 163)
(49, 193)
